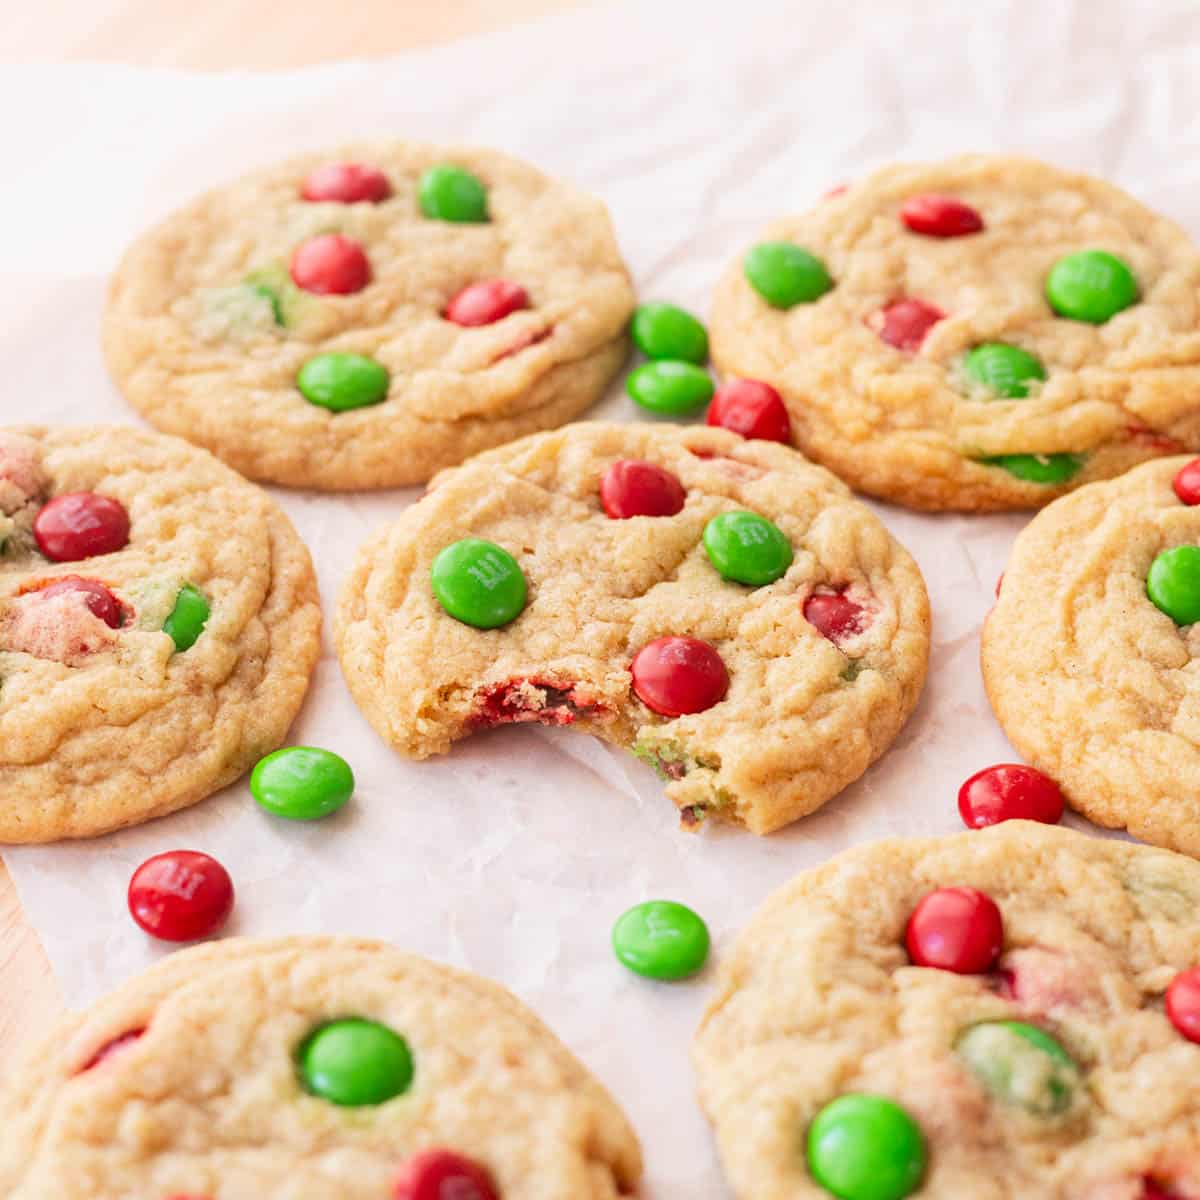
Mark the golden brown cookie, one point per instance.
(159, 622)
(1094, 682)
(981, 333)
(1029, 1058)
(315, 1067)
(760, 639)
(363, 317)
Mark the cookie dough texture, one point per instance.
(803, 717)
(1092, 683)
(207, 1102)
(199, 357)
(127, 728)
(911, 427)
(818, 999)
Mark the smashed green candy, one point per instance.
(1004, 369)
(1020, 1064)
(1049, 469)
(187, 619)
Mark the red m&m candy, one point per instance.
(940, 216)
(99, 600)
(1183, 1004)
(81, 525)
(346, 183)
(443, 1175)
(1187, 482)
(487, 302)
(955, 929)
(678, 675)
(752, 408)
(180, 895)
(835, 615)
(1009, 792)
(633, 488)
(330, 264)
(904, 323)
(111, 1047)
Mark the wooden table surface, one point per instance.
(212, 36)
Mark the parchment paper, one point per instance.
(697, 123)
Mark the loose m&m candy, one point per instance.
(666, 331)
(670, 388)
(1008, 792)
(751, 408)
(661, 939)
(479, 583)
(181, 895)
(302, 783)
(864, 1147)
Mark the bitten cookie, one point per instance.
(364, 317)
(721, 607)
(159, 622)
(982, 333)
(1010, 1014)
(310, 1067)
(1090, 656)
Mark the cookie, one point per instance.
(159, 622)
(365, 317)
(315, 1067)
(1089, 655)
(980, 1015)
(983, 333)
(721, 607)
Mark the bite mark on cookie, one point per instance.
(527, 700)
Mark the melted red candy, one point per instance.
(1183, 1004)
(904, 323)
(180, 895)
(110, 1048)
(99, 600)
(531, 337)
(487, 302)
(835, 615)
(752, 408)
(634, 488)
(1187, 482)
(330, 265)
(79, 525)
(346, 183)
(678, 675)
(510, 703)
(443, 1175)
(839, 189)
(1009, 792)
(955, 929)
(940, 216)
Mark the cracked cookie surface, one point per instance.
(206, 331)
(1090, 680)
(107, 717)
(818, 999)
(874, 370)
(188, 1081)
(805, 713)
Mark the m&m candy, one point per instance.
(79, 525)
(667, 331)
(864, 1147)
(661, 939)
(99, 600)
(1020, 1064)
(955, 929)
(1049, 469)
(1173, 584)
(181, 895)
(835, 615)
(747, 548)
(479, 583)
(1187, 482)
(1004, 369)
(330, 264)
(904, 323)
(340, 381)
(1091, 286)
(486, 302)
(1009, 792)
(785, 275)
(353, 1062)
(443, 1175)
(669, 388)
(674, 676)
(186, 620)
(1182, 1003)
(752, 408)
(940, 216)
(302, 783)
(634, 488)
(346, 183)
(449, 193)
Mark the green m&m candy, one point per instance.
(187, 619)
(1091, 286)
(784, 274)
(302, 783)
(669, 388)
(1173, 584)
(747, 548)
(1006, 370)
(339, 381)
(448, 193)
(863, 1147)
(1049, 469)
(661, 940)
(354, 1062)
(479, 583)
(665, 331)
(1020, 1064)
